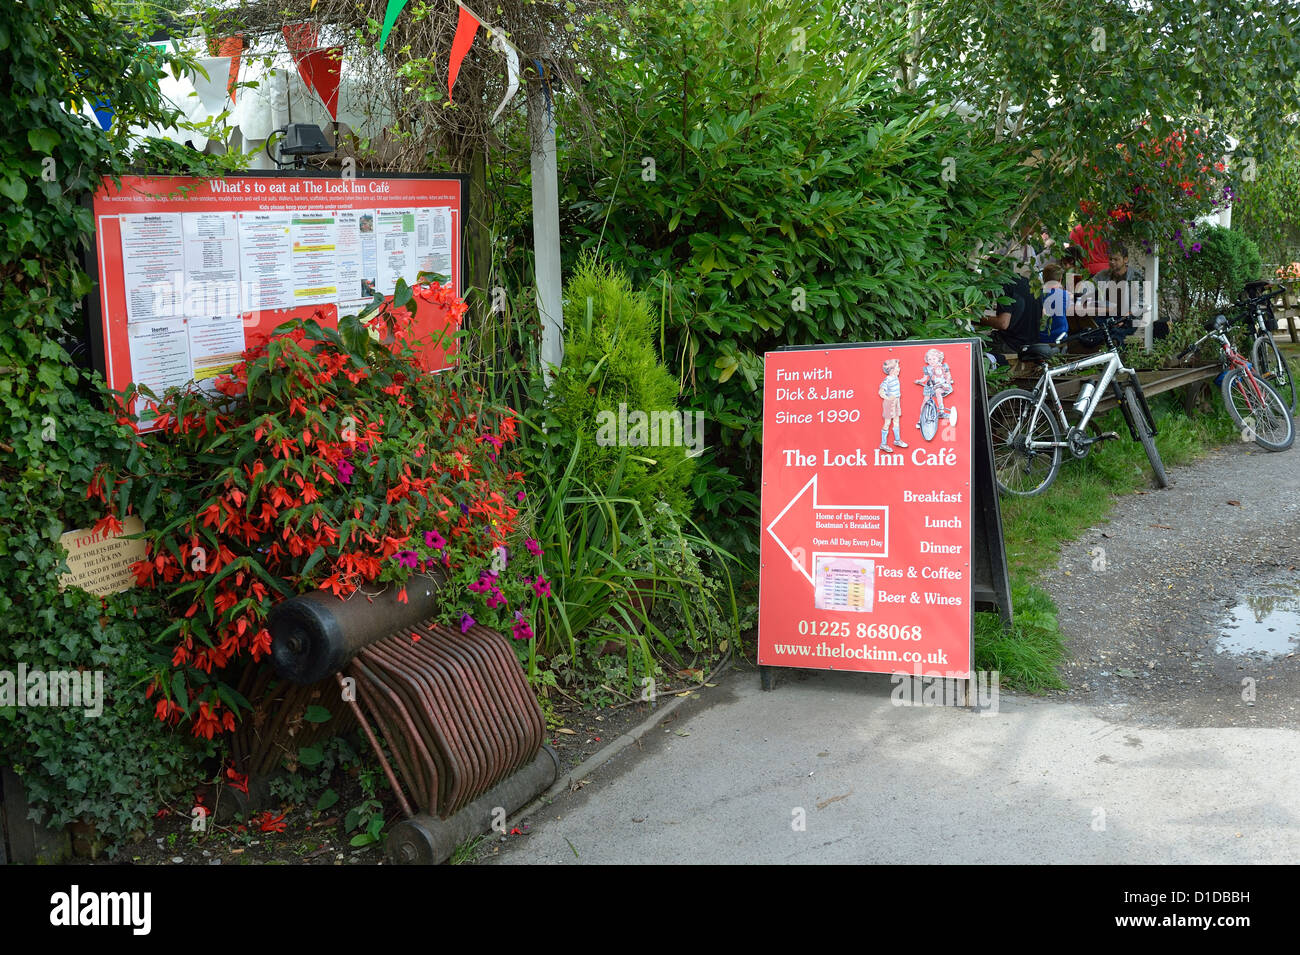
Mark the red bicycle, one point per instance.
(1255, 405)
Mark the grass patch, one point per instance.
(1026, 657)
(1036, 528)
(467, 851)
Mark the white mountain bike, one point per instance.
(1030, 430)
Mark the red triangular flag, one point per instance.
(301, 37)
(320, 71)
(233, 47)
(466, 28)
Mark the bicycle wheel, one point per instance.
(1144, 435)
(929, 419)
(1272, 367)
(1255, 404)
(1019, 469)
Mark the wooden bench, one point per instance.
(1026, 374)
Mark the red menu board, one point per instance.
(866, 554)
(190, 271)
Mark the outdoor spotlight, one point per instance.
(298, 140)
(304, 139)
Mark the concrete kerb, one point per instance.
(596, 760)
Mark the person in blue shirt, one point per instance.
(1057, 304)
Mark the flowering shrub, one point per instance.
(1172, 179)
(330, 460)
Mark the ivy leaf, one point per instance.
(13, 189)
(317, 714)
(43, 140)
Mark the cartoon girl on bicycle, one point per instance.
(937, 379)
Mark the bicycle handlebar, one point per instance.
(1268, 292)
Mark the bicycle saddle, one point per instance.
(1038, 351)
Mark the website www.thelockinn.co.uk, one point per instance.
(842, 651)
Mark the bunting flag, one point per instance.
(103, 112)
(215, 87)
(301, 37)
(466, 28)
(390, 17)
(320, 70)
(233, 47)
(512, 71)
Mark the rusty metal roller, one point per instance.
(314, 635)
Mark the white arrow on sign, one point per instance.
(806, 566)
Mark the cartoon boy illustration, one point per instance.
(937, 380)
(891, 392)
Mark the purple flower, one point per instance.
(497, 599)
(466, 621)
(1196, 247)
(408, 558)
(520, 496)
(464, 508)
(534, 548)
(480, 586)
(434, 539)
(542, 586)
(345, 472)
(521, 630)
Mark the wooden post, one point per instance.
(1153, 306)
(546, 228)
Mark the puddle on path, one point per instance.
(1263, 623)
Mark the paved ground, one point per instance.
(1159, 763)
(873, 782)
(1144, 630)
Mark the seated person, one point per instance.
(1057, 304)
(1120, 292)
(1015, 318)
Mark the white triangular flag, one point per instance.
(214, 92)
(512, 69)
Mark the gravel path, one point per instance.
(1170, 565)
